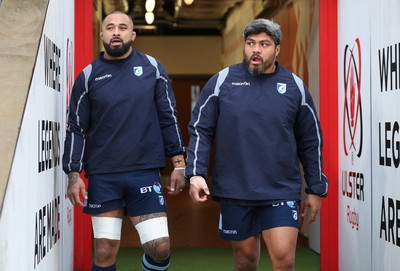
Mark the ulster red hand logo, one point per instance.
(352, 111)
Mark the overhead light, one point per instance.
(150, 5)
(188, 2)
(149, 17)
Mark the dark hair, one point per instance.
(264, 26)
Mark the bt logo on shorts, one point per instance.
(156, 187)
(291, 204)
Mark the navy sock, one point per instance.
(150, 264)
(108, 268)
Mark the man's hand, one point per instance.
(198, 191)
(313, 204)
(177, 181)
(75, 187)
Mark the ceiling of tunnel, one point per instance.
(176, 17)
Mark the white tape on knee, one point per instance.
(152, 229)
(107, 227)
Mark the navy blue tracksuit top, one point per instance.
(262, 126)
(121, 117)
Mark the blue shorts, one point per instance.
(137, 192)
(240, 222)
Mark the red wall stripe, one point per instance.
(329, 121)
(83, 56)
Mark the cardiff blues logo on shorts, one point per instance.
(294, 214)
(157, 187)
(161, 200)
(138, 71)
(281, 87)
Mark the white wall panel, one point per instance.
(36, 223)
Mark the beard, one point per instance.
(256, 71)
(259, 69)
(117, 51)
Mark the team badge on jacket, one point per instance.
(281, 87)
(138, 71)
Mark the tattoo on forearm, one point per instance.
(72, 178)
(178, 161)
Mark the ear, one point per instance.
(133, 36)
(277, 50)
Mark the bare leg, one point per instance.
(281, 243)
(159, 248)
(246, 254)
(106, 250)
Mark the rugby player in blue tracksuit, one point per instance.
(122, 123)
(262, 120)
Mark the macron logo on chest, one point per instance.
(102, 77)
(240, 84)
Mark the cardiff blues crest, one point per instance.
(138, 71)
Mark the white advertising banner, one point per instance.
(385, 88)
(37, 219)
(355, 186)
